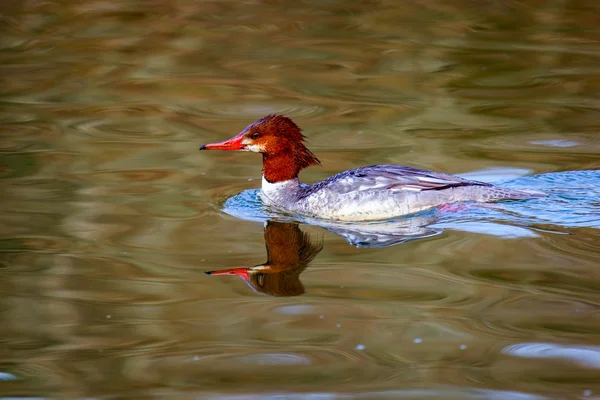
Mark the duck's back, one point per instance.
(385, 191)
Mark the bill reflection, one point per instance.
(289, 251)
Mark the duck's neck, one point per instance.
(280, 184)
(279, 167)
(287, 162)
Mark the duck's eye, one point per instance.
(254, 135)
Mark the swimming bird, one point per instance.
(370, 193)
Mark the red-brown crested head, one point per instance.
(281, 143)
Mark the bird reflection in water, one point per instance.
(289, 251)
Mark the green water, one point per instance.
(110, 216)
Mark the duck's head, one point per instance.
(281, 143)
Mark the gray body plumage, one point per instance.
(381, 192)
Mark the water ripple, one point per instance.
(584, 356)
(253, 111)
(110, 215)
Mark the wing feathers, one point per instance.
(390, 177)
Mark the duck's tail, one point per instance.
(529, 194)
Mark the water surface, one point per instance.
(110, 216)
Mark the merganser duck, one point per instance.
(289, 250)
(370, 193)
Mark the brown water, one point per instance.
(110, 216)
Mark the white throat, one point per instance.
(279, 193)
